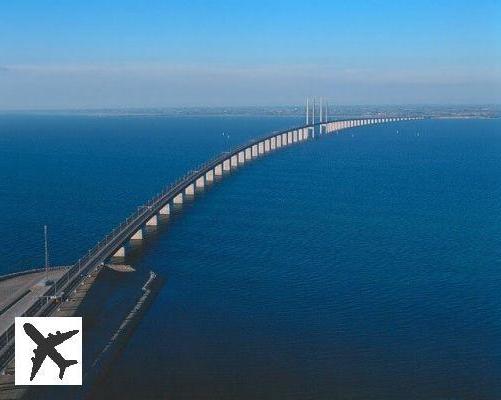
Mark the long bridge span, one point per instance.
(114, 244)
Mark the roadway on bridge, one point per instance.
(18, 293)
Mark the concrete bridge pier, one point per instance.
(234, 161)
(260, 147)
(278, 141)
(138, 235)
(189, 191)
(285, 140)
(120, 253)
(218, 170)
(178, 199)
(289, 138)
(153, 221)
(165, 210)
(241, 157)
(273, 143)
(294, 136)
(226, 165)
(254, 150)
(248, 154)
(267, 145)
(209, 176)
(200, 183)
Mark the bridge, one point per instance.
(114, 244)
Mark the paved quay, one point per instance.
(18, 293)
(66, 309)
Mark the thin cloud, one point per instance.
(332, 74)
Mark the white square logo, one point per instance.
(48, 351)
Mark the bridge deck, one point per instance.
(18, 293)
(113, 243)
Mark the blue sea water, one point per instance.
(364, 265)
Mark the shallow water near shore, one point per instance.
(358, 266)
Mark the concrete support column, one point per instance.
(234, 161)
(254, 150)
(289, 137)
(138, 235)
(226, 165)
(120, 253)
(178, 199)
(200, 182)
(190, 190)
(260, 147)
(300, 135)
(248, 153)
(241, 157)
(267, 145)
(153, 221)
(165, 210)
(294, 136)
(278, 141)
(218, 170)
(285, 140)
(306, 133)
(273, 143)
(209, 176)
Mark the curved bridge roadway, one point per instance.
(114, 244)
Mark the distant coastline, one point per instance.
(436, 111)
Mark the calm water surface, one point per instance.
(359, 266)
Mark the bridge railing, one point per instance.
(77, 272)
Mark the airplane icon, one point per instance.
(47, 347)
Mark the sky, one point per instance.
(125, 53)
